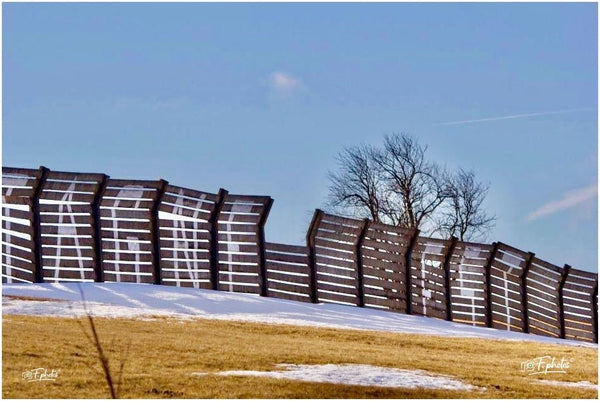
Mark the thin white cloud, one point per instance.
(284, 84)
(570, 200)
(514, 116)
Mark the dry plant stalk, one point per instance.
(104, 361)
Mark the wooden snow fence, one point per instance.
(66, 226)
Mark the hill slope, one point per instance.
(142, 300)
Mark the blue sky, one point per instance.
(259, 98)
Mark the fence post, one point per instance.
(595, 311)
(488, 285)
(264, 284)
(524, 300)
(162, 186)
(451, 245)
(312, 257)
(407, 273)
(214, 238)
(360, 289)
(561, 306)
(36, 226)
(98, 270)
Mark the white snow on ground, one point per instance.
(146, 300)
(359, 375)
(583, 384)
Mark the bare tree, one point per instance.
(398, 185)
(463, 215)
(415, 186)
(358, 185)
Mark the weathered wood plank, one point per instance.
(128, 278)
(50, 274)
(8, 251)
(396, 304)
(249, 199)
(226, 277)
(336, 284)
(116, 214)
(333, 270)
(123, 244)
(375, 275)
(76, 186)
(289, 287)
(244, 237)
(372, 255)
(73, 176)
(109, 233)
(337, 297)
(17, 192)
(225, 227)
(184, 265)
(173, 190)
(291, 297)
(192, 254)
(288, 249)
(235, 258)
(66, 219)
(287, 258)
(16, 213)
(108, 203)
(334, 246)
(285, 268)
(13, 226)
(16, 241)
(84, 251)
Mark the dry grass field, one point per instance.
(162, 355)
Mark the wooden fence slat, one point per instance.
(280, 267)
(297, 289)
(287, 258)
(274, 248)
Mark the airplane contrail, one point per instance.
(543, 113)
(569, 200)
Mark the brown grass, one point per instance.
(163, 354)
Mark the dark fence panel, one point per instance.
(543, 280)
(238, 243)
(126, 229)
(468, 282)
(383, 254)
(578, 298)
(185, 234)
(506, 273)
(18, 259)
(67, 226)
(427, 275)
(288, 271)
(335, 256)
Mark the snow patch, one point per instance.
(357, 375)
(128, 300)
(170, 296)
(582, 384)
